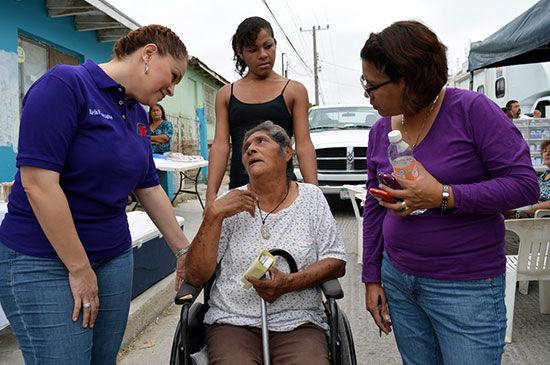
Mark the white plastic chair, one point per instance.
(531, 263)
(358, 192)
(523, 285)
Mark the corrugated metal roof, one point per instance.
(202, 68)
(109, 23)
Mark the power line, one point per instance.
(291, 13)
(344, 67)
(296, 72)
(313, 31)
(284, 33)
(332, 52)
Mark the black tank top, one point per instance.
(243, 117)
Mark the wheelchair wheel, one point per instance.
(183, 344)
(177, 353)
(347, 347)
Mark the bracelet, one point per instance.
(182, 252)
(445, 198)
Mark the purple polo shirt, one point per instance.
(476, 149)
(76, 121)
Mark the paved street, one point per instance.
(531, 329)
(152, 346)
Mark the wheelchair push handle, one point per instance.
(331, 288)
(287, 256)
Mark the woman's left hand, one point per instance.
(272, 289)
(422, 193)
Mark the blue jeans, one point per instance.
(37, 299)
(446, 321)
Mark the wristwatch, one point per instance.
(445, 198)
(182, 252)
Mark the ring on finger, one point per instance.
(404, 205)
(86, 305)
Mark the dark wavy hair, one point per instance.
(246, 35)
(410, 50)
(161, 109)
(164, 38)
(279, 135)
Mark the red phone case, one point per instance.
(382, 195)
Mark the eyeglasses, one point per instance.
(369, 89)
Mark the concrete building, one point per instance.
(191, 109)
(36, 35)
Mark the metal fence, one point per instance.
(186, 137)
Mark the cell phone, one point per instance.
(382, 195)
(387, 179)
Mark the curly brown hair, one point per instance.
(410, 50)
(544, 144)
(163, 37)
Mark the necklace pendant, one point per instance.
(265, 232)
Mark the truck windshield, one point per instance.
(342, 118)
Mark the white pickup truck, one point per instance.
(340, 135)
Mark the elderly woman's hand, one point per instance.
(422, 193)
(233, 202)
(272, 289)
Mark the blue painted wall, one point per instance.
(30, 18)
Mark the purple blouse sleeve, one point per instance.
(505, 154)
(373, 212)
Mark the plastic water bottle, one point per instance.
(402, 159)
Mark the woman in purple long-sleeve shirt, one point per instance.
(442, 271)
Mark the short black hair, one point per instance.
(412, 51)
(510, 102)
(161, 109)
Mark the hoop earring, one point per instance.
(146, 68)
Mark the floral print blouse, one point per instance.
(164, 128)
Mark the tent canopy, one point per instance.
(526, 39)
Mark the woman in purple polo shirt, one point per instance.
(442, 271)
(66, 262)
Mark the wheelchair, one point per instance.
(340, 339)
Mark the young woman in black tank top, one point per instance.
(260, 95)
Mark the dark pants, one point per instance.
(239, 345)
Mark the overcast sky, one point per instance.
(206, 27)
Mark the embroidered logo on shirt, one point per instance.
(141, 130)
(98, 112)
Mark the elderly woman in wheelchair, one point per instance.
(270, 212)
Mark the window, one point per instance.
(35, 58)
(500, 87)
(481, 89)
(542, 105)
(209, 103)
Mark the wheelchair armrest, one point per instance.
(332, 289)
(187, 293)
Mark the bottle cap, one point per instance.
(395, 136)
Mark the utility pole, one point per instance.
(313, 31)
(283, 71)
